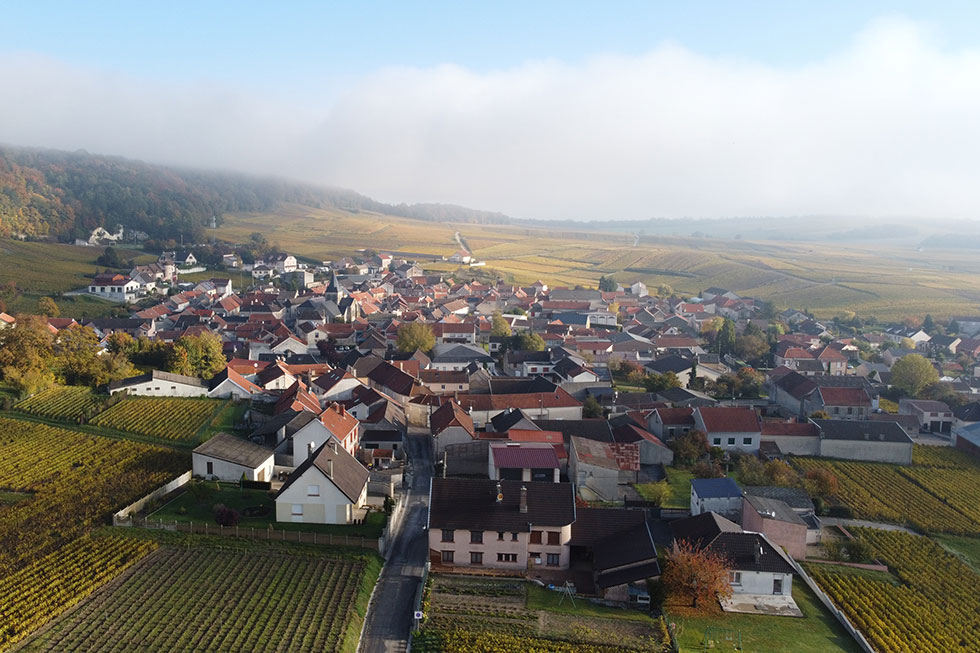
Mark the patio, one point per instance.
(768, 604)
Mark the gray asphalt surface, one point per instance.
(390, 614)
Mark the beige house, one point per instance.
(510, 525)
(330, 487)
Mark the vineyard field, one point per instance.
(936, 494)
(165, 418)
(32, 595)
(64, 403)
(932, 609)
(211, 599)
(70, 482)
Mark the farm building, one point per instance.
(330, 487)
(226, 458)
(161, 384)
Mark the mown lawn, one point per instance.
(680, 487)
(196, 504)
(540, 598)
(967, 548)
(816, 632)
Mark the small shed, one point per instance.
(225, 458)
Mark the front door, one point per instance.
(777, 585)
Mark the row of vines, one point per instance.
(74, 482)
(937, 493)
(206, 599)
(931, 608)
(64, 402)
(165, 418)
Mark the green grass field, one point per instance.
(47, 269)
(816, 632)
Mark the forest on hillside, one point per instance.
(65, 195)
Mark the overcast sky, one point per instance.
(636, 112)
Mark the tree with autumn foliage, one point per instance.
(698, 575)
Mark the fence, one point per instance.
(124, 516)
(304, 537)
(840, 616)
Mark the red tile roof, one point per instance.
(790, 428)
(729, 419)
(844, 396)
(523, 456)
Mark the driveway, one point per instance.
(390, 615)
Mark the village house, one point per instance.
(510, 525)
(755, 565)
(718, 495)
(730, 427)
(449, 425)
(328, 487)
(523, 461)
(932, 416)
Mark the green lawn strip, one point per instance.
(213, 425)
(369, 578)
(817, 632)
(9, 498)
(870, 574)
(189, 508)
(102, 431)
(680, 487)
(965, 548)
(540, 598)
(224, 420)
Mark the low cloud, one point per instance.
(884, 128)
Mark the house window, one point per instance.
(447, 534)
(535, 537)
(476, 558)
(554, 537)
(747, 440)
(513, 537)
(716, 442)
(836, 410)
(735, 577)
(447, 557)
(476, 537)
(670, 433)
(500, 536)
(850, 410)
(506, 557)
(312, 490)
(297, 509)
(554, 559)
(731, 442)
(210, 468)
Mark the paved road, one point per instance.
(390, 615)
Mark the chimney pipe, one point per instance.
(523, 498)
(309, 449)
(330, 469)
(333, 444)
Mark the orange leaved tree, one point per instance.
(696, 574)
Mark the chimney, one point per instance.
(333, 445)
(500, 494)
(309, 449)
(523, 498)
(757, 553)
(330, 468)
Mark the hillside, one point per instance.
(65, 195)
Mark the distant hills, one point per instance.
(65, 195)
